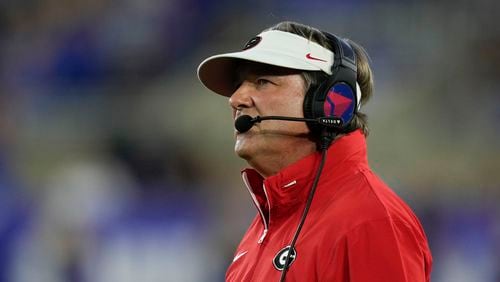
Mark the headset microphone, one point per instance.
(245, 122)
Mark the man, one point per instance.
(323, 215)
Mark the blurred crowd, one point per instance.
(117, 165)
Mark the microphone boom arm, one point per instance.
(325, 121)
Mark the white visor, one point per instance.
(277, 48)
(273, 47)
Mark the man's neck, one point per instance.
(270, 164)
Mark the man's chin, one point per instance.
(243, 146)
(243, 153)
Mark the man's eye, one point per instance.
(262, 81)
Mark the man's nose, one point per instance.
(242, 97)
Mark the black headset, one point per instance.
(336, 96)
(333, 99)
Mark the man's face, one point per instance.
(263, 90)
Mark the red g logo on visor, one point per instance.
(252, 42)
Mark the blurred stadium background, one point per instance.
(117, 165)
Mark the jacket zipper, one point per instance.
(257, 205)
(262, 237)
(266, 227)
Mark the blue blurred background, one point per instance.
(117, 165)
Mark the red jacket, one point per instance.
(357, 228)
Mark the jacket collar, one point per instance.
(276, 195)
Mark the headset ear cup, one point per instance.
(331, 99)
(340, 101)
